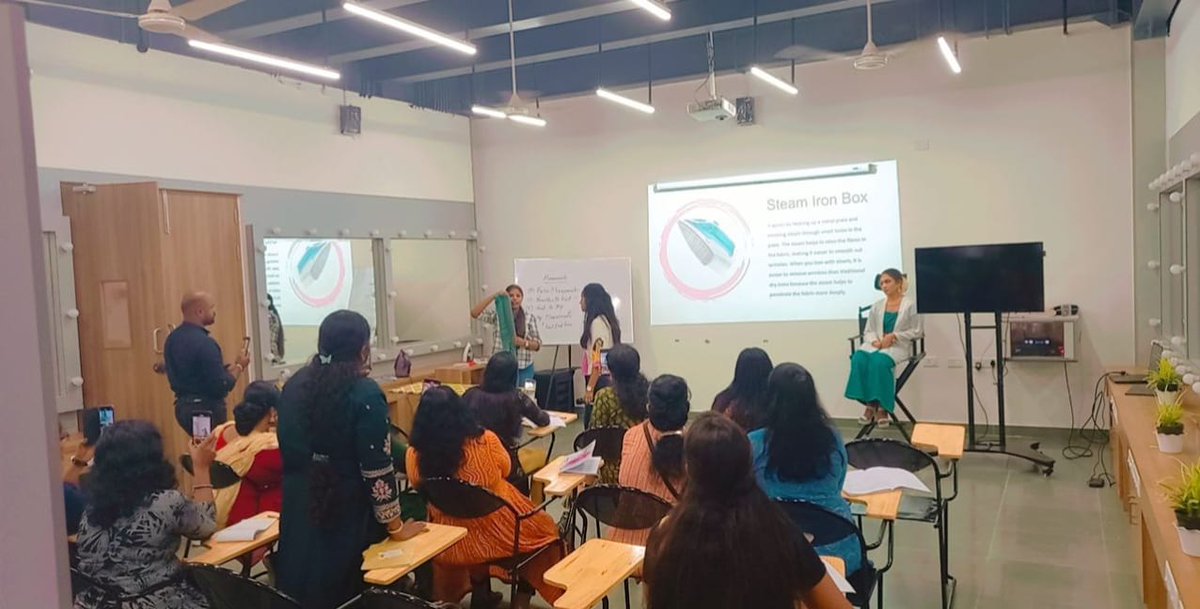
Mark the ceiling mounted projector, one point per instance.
(713, 109)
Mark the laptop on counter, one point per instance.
(1137, 380)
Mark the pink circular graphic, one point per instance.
(330, 296)
(693, 292)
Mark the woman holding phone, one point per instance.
(528, 341)
(601, 332)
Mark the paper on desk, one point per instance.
(386, 554)
(582, 461)
(245, 530)
(838, 579)
(555, 422)
(879, 479)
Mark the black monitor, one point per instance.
(1000, 278)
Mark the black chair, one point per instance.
(381, 598)
(910, 366)
(110, 597)
(824, 527)
(883, 452)
(620, 507)
(467, 501)
(609, 442)
(223, 476)
(225, 589)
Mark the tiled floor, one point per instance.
(1018, 539)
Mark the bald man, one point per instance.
(198, 374)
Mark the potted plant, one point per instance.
(1165, 381)
(1169, 425)
(1184, 497)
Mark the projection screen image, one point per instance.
(796, 245)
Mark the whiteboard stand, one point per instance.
(554, 371)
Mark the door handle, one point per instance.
(154, 341)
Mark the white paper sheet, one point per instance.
(245, 530)
(880, 479)
(555, 422)
(842, 585)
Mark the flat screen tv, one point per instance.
(1000, 278)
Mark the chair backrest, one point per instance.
(862, 319)
(223, 476)
(225, 589)
(821, 525)
(460, 499)
(609, 442)
(622, 507)
(886, 452)
(379, 598)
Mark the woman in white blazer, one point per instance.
(892, 326)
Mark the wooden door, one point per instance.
(119, 280)
(202, 250)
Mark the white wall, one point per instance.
(1183, 66)
(1032, 142)
(102, 106)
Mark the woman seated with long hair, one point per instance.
(892, 326)
(726, 545)
(499, 406)
(130, 533)
(799, 455)
(745, 399)
(623, 403)
(652, 455)
(447, 442)
(251, 449)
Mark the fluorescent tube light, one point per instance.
(654, 8)
(948, 53)
(486, 111)
(408, 27)
(624, 101)
(263, 58)
(772, 80)
(525, 119)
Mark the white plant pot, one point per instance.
(1167, 397)
(1170, 444)
(1189, 539)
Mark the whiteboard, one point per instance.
(552, 287)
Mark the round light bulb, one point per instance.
(395, 340)
(67, 247)
(1178, 341)
(1153, 264)
(1154, 322)
(433, 347)
(1177, 269)
(1189, 379)
(73, 313)
(375, 232)
(1175, 197)
(77, 381)
(1152, 206)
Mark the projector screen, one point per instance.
(797, 245)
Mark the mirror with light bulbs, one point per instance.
(1177, 325)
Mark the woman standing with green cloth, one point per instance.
(339, 483)
(892, 326)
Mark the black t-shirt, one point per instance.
(194, 364)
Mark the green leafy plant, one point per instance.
(1184, 496)
(1169, 421)
(1164, 378)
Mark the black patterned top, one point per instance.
(138, 554)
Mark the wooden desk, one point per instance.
(1139, 470)
(219, 553)
(881, 506)
(591, 571)
(948, 440)
(558, 484)
(461, 373)
(403, 401)
(836, 563)
(541, 432)
(419, 550)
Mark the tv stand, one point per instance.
(1000, 445)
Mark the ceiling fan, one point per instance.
(870, 58)
(160, 17)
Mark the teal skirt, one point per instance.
(872, 379)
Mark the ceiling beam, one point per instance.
(520, 25)
(288, 24)
(839, 5)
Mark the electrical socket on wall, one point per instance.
(954, 362)
(930, 362)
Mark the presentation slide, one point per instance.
(796, 245)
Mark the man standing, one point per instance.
(198, 374)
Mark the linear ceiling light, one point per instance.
(774, 81)
(489, 112)
(625, 101)
(950, 55)
(263, 58)
(525, 119)
(654, 8)
(408, 27)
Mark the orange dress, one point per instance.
(486, 463)
(637, 471)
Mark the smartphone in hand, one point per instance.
(201, 426)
